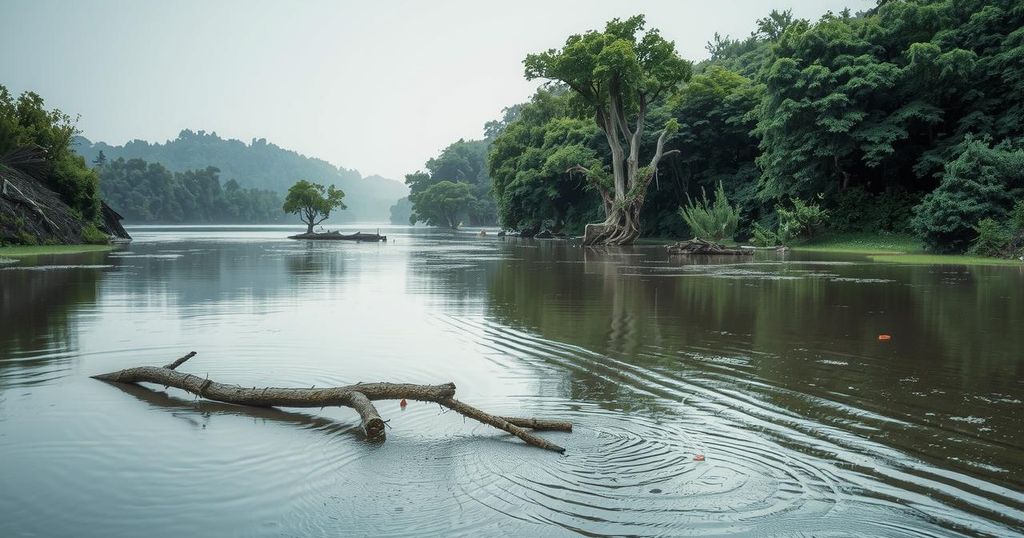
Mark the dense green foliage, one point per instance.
(528, 162)
(711, 221)
(258, 165)
(465, 162)
(615, 76)
(313, 202)
(401, 212)
(867, 113)
(443, 204)
(150, 193)
(25, 122)
(983, 183)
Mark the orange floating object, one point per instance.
(403, 403)
(884, 337)
(698, 457)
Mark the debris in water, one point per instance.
(698, 457)
(403, 403)
(884, 337)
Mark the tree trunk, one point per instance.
(359, 397)
(309, 227)
(622, 205)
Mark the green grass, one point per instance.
(892, 249)
(48, 250)
(862, 243)
(942, 259)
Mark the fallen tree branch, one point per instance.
(359, 397)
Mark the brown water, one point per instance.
(770, 368)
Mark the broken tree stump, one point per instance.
(359, 397)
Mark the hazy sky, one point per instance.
(379, 86)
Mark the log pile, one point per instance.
(359, 397)
(700, 247)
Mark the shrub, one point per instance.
(711, 222)
(981, 183)
(991, 240)
(802, 221)
(92, 235)
(766, 237)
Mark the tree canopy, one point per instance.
(150, 193)
(26, 123)
(867, 114)
(614, 76)
(442, 204)
(313, 202)
(463, 161)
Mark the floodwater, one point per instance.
(771, 369)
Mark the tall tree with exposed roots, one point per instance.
(616, 75)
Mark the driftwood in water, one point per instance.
(338, 236)
(359, 397)
(707, 248)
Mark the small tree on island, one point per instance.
(442, 203)
(313, 202)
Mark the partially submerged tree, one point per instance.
(615, 75)
(313, 202)
(442, 204)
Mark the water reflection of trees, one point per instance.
(37, 321)
(809, 328)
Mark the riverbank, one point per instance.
(50, 250)
(893, 249)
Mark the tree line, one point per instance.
(145, 192)
(256, 164)
(907, 117)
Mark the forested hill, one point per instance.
(258, 165)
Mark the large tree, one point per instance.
(313, 202)
(442, 204)
(615, 75)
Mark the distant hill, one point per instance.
(259, 165)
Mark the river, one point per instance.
(770, 369)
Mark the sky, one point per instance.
(379, 86)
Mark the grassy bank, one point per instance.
(892, 249)
(863, 244)
(943, 259)
(50, 250)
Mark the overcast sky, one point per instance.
(379, 86)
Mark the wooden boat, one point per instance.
(338, 236)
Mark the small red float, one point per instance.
(884, 337)
(403, 403)
(698, 457)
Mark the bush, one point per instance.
(992, 238)
(981, 183)
(802, 221)
(766, 237)
(94, 236)
(711, 222)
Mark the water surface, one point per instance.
(770, 368)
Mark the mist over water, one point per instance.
(771, 369)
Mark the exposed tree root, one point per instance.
(359, 397)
